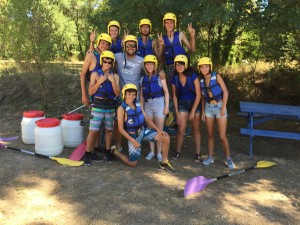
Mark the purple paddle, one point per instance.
(196, 184)
(9, 138)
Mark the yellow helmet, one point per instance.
(170, 16)
(113, 23)
(204, 61)
(182, 58)
(130, 38)
(107, 54)
(127, 87)
(104, 37)
(151, 58)
(145, 22)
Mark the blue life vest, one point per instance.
(97, 67)
(135, 118)
(151, 89)
(144, 50)
(213, 87)
(189, 83)
(172, 49)
(116, 48)
(105, 89)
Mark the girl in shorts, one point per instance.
(154, 98)
(215, 94)
(186, 94)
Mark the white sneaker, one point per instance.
(230, 164)
(159, 156)
(150, 156)
(208, 161)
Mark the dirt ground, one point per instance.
(40, 191)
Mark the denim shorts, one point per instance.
(144, 134)
(186, 106)
(155, 107)
(214, 110)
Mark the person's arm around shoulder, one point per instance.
(225, 93)
(192, 44)
(84, 70)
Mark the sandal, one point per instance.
(176, 156)
(197, 158)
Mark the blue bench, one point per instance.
(259, 113)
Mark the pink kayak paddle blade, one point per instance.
(79, 152)
(196, 184)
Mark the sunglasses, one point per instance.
(130, 46)
(108, 62)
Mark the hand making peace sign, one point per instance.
(191, 29)
(160, 39)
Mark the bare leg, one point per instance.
(210, 124)
(125, 159)
(90, 141)
(151, 144)
(222, 126)
(165, 146)
(196, 132)
(108, 137)
(118, 135)
(159, 122)
(181, 130)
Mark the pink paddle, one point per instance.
(79, 152)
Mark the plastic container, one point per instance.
(28, 125)
(48, 137)
(73, 129)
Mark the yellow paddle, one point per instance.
(170, 119)
(62, 161)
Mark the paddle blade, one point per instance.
(265, 164)
(79, 152)
(9, 138)
(196, 184)
(67, 162)
(170, 119)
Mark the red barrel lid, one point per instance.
(48, 122)
(33, 113)
(73, 116)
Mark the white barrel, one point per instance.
(48, 137)
(73, 129)
(28, 125)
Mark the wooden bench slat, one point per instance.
(268, 133)
(275, 109)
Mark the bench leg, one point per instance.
(251, 136)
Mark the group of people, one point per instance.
(132, 69)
